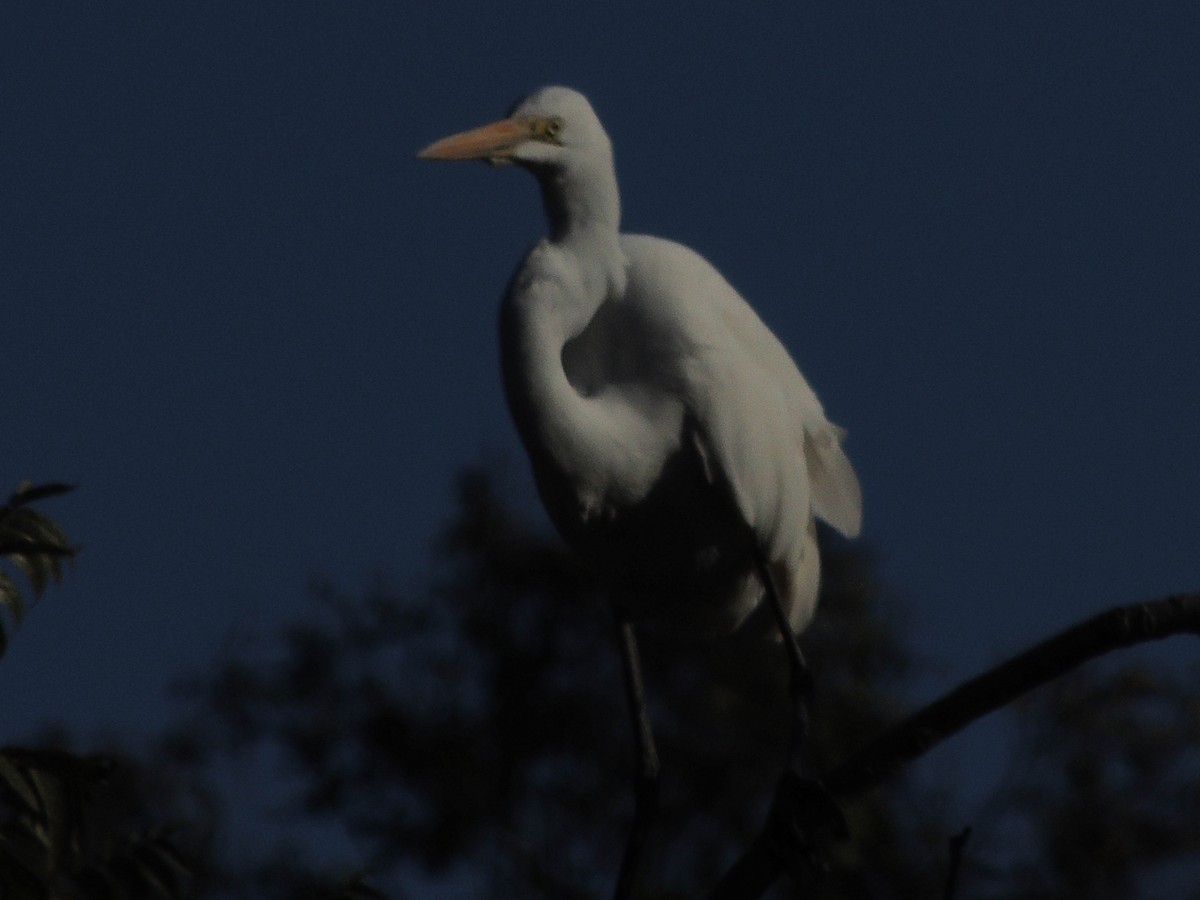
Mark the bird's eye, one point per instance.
(550, 128)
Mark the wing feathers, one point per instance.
(836, 495)
(763, 426)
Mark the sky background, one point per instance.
(260, 335)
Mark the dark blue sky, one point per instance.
(260, 335)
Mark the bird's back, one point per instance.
(738, 367)
(752, 460)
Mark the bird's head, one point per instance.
(547, 130)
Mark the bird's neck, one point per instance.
(583, 212)
(554, 299)
(581, 200)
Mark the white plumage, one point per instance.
(670, 432)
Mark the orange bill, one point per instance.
(494, 141)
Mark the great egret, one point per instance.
(674, 442)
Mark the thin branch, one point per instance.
(646, 785)
(911, 738)
(958, 844)
(1102, 634)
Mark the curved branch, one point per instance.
(911, 738)
(1109, 631)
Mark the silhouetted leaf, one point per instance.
(17, 781)
(34, 544)
(31, 493)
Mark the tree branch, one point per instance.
(1109, 631)
(958, 845)
(911, 738)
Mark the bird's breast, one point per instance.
(672, 551)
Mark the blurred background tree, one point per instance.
(470, 737)
(481, 727)
(72, 827)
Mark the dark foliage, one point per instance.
(474, 735)
(482, 725)
(478, 731)
(1113, 797)
(33, 544)
(73, 827)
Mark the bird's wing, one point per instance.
(836, 495)
(765, 425)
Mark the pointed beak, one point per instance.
(495, 142)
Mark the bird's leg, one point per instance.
(646, 784)
(804, 812)
(799, 675)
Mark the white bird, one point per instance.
(673, 440)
